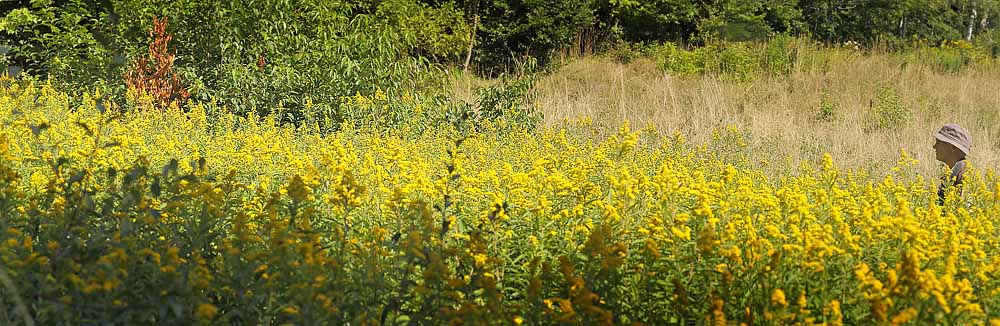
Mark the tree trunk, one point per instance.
(472, 42)
(902, 27)
(972, 25)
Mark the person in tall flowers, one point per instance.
(952, 145)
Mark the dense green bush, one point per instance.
(626, 52)
(66, 40)
(673, 59)
(440, 32)
(829, 109)
(737, 60)
(949, 57)
(511, 31)
(780, 54)
(740, 61)
(887, 111)
(512, 100)
(273, 50)
(657, 20)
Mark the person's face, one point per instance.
(942, 150)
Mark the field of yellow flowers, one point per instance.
(197, 216)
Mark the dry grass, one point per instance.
(778, 116)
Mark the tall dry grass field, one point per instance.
(831, 102)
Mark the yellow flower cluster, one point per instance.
(291, 224)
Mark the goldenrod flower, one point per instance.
(778, 298)
(205, 311)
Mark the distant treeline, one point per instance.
(266, 53)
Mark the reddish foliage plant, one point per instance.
(154, 75)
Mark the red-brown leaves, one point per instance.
(153, 75)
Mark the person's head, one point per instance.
(952, 144)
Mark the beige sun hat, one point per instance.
(956, 135)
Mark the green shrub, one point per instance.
(626, 52)
(508, 105)
(780, 54)
(64, 40)
(944, 59)
(441, 32)
(745, 30)
(511, 31)
(829, 110)
(888, 111)
(512, 101)
(670, 58)
(951, 57)
(737, 62)
(709, 58)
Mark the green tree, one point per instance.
(510, 31)
(64, 39)
(744, 20)
(699, 21)
(439, 31)
(900, 20)
(656, 20)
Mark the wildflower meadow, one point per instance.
(201, 217)
(499, 162)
